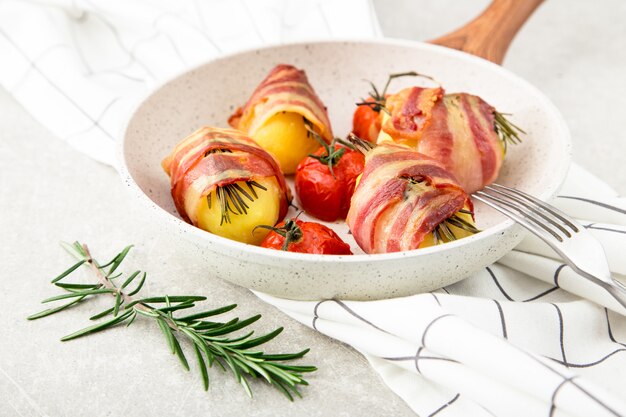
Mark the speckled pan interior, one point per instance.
(338, 71)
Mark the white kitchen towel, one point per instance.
(511, 340)
(79, 66)
(508, 341)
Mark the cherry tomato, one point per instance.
(366, 121)
(367, 118)
(305, 237)
(326, 193)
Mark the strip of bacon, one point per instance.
(462, 136)
(457, 130)
(212, 157)
(285, 89)
(402, 196)
(410, 113)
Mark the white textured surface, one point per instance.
(571, 49)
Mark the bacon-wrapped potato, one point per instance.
(405, 200)
(226, 184)
(276, 114)
(459, 130)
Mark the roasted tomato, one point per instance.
(305, 237)
(325, 180)
(367, 119)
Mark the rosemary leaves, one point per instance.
(331, 156)
(232, 198)
(506, 130)
(443, 233)
(211, 341)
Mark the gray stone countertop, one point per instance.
(573, 50)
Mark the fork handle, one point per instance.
(617, 292)
(490, 34)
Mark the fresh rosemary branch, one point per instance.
(376, 105)
(210, 339)
(507, 131)
(443, 233)
(231, 198)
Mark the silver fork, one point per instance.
(577, 246)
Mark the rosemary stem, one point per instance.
(128, 300)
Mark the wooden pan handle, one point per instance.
(490, 34)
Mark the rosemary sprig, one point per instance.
(232, 198)
(379, 97)
(331, 156)
(210, 339)
(443, 233)
(506, 130)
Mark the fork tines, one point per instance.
(529, 211)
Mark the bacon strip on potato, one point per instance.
(459, 130)
(402, 197)
(225, 183)
(276, 113)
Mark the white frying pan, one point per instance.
(207, 95)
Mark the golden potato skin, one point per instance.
(284, 135)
